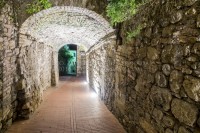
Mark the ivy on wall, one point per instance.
(37, 6)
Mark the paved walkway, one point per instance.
(71, 108)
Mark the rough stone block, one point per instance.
(152, 53)
(172, 54)
(168, 121)
(157, 115)
(160, 97)
(186, 39)
(141, 52)
(176, 79)
(166, 68)
(190, 32)
(184, 111)
(191, 12)
(147, 126)
(196, 48)
(167, 31)
(161, 80)
(176, 16)
(192, 87)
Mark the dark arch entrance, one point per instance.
(67, 60)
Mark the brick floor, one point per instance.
(70, 108)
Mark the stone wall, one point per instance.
(8, 38)
(25, 70)
(157, 72)
(101, 70)
(157, 83)
(81, 61)
(36, 72)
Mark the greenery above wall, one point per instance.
(37, 6)
(121, 10)
(2, 3)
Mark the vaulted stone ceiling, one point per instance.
(58, 26)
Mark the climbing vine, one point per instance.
(37, 6)
(121, 10)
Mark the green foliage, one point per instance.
(64, 54)
(2, 3)
(135, 32)
(121, 10)
(37, 6)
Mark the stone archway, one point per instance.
(40, 38)
(72, 25)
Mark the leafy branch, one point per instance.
(121, 10)
(37, 6)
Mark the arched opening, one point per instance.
(67, 60)
(72, 60)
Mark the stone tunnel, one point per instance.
(151, 82)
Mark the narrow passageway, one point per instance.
(70, 108)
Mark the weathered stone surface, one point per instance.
(176, 79)
(161, 80)
(167, 31)
(148, 32)
(189, 2)
(141, 84)
(191, 12)
(186, 39)
(184, 112)
(168, 131)
(192, 59)
(141, 52)
(196, 49)
(147, 126)
(176, 16)
(190, 32)
(192, 87)
(183, 130)
(150, 66)
(152, 53)
(168, 121)
(172, 54)
(157, 115)
(161, 97)
(20, 85)
(166, 69)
